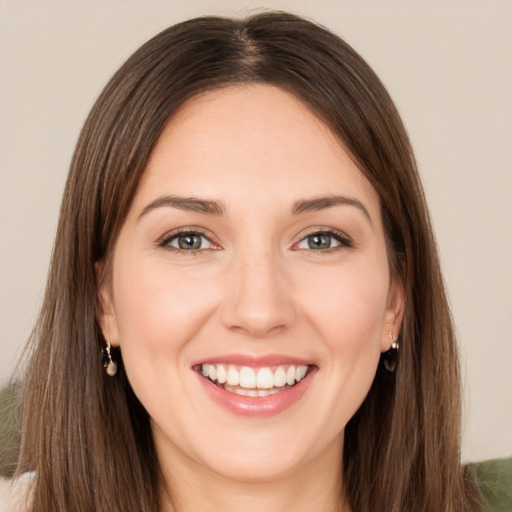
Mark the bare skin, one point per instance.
(253, 241)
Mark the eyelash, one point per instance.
(166, 241)
(341, 238)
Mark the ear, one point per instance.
(394, 314)
(106, 312)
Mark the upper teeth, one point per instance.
(261, 378)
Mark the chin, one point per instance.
(254, 468)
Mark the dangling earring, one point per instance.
(108, 363)
(390, 357)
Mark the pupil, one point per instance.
(189, 242)
(319, 242)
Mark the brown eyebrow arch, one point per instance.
(191, 204)
(320, 203)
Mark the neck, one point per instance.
(317, 485)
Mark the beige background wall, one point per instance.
(446, 63)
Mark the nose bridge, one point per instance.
(258, 300)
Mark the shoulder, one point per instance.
(494, 478)
(15, 493)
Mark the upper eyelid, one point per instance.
(323, 230)
(184, 230)
(163, 240)
(342, 238)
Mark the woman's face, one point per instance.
(250, 293)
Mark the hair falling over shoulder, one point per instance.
(86, 435)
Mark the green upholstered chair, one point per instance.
(494, 478)
(9, 435)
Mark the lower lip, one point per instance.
(259, 407)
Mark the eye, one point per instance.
(188, 241)
(323, 241)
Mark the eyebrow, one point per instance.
(190, 204)
(209, 207)
(320, 203)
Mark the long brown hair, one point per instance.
(86, 435)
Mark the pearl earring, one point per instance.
(108, 363)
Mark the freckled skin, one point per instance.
(254, 287)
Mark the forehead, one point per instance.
(251, 139)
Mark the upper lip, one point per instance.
(254, 361)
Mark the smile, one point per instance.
(254, 382)
(255, 387)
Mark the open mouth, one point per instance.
(253, 382)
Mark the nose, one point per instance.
(258, 297)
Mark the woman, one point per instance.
(245, 241)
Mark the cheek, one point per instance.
(348, 311)
(156, 301)
(343, 312)
(158, 312)
(349, 306)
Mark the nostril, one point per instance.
(257, 329)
